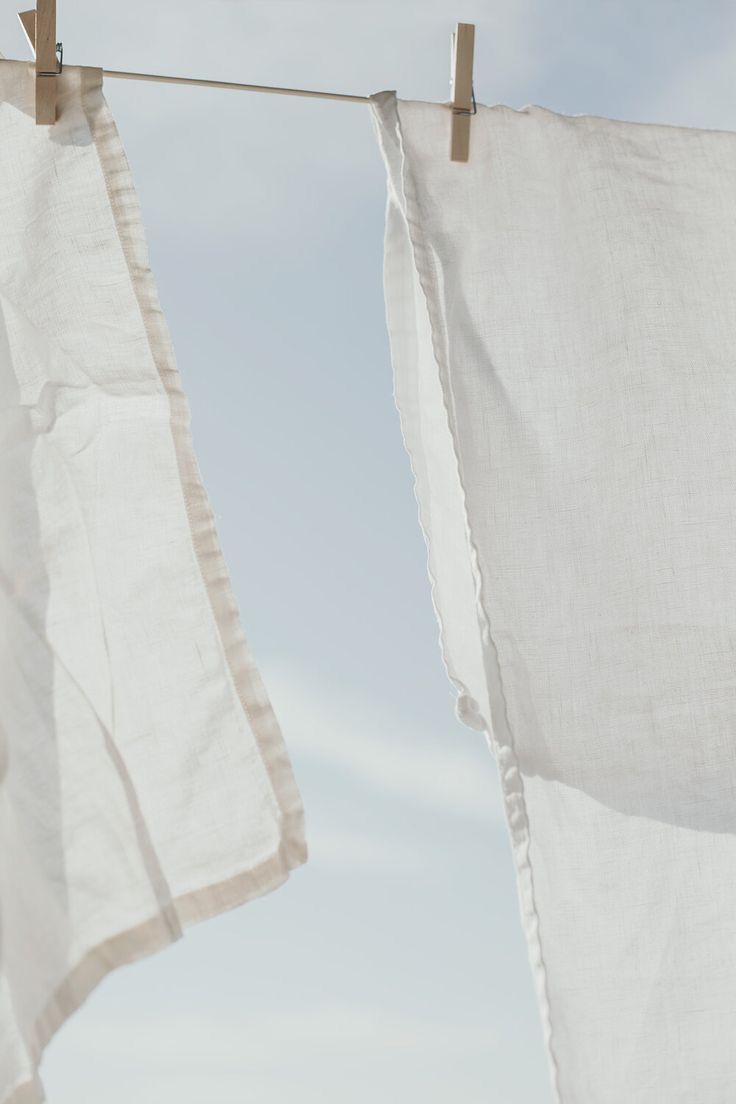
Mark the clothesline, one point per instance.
(122, 75)
(39, 25)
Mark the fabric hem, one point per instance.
(245, 677)
(136, 943)
(466, 708)
(387, 115)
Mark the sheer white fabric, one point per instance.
(562, 313)
(144, 783)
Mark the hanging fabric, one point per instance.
(563, 324)
(144, 783)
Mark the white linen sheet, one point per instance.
(144, 782)
(562, 313)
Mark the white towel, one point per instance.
(562, 311)
(144, 784)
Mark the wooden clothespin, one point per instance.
(40, 29)
(462, 98)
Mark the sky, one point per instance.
(392, 967)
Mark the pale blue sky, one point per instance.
(392, 968)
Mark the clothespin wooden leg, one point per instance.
(40, 29)
(462, 101)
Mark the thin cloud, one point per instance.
(345, 732)
(192, 1042)
(378, 856)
